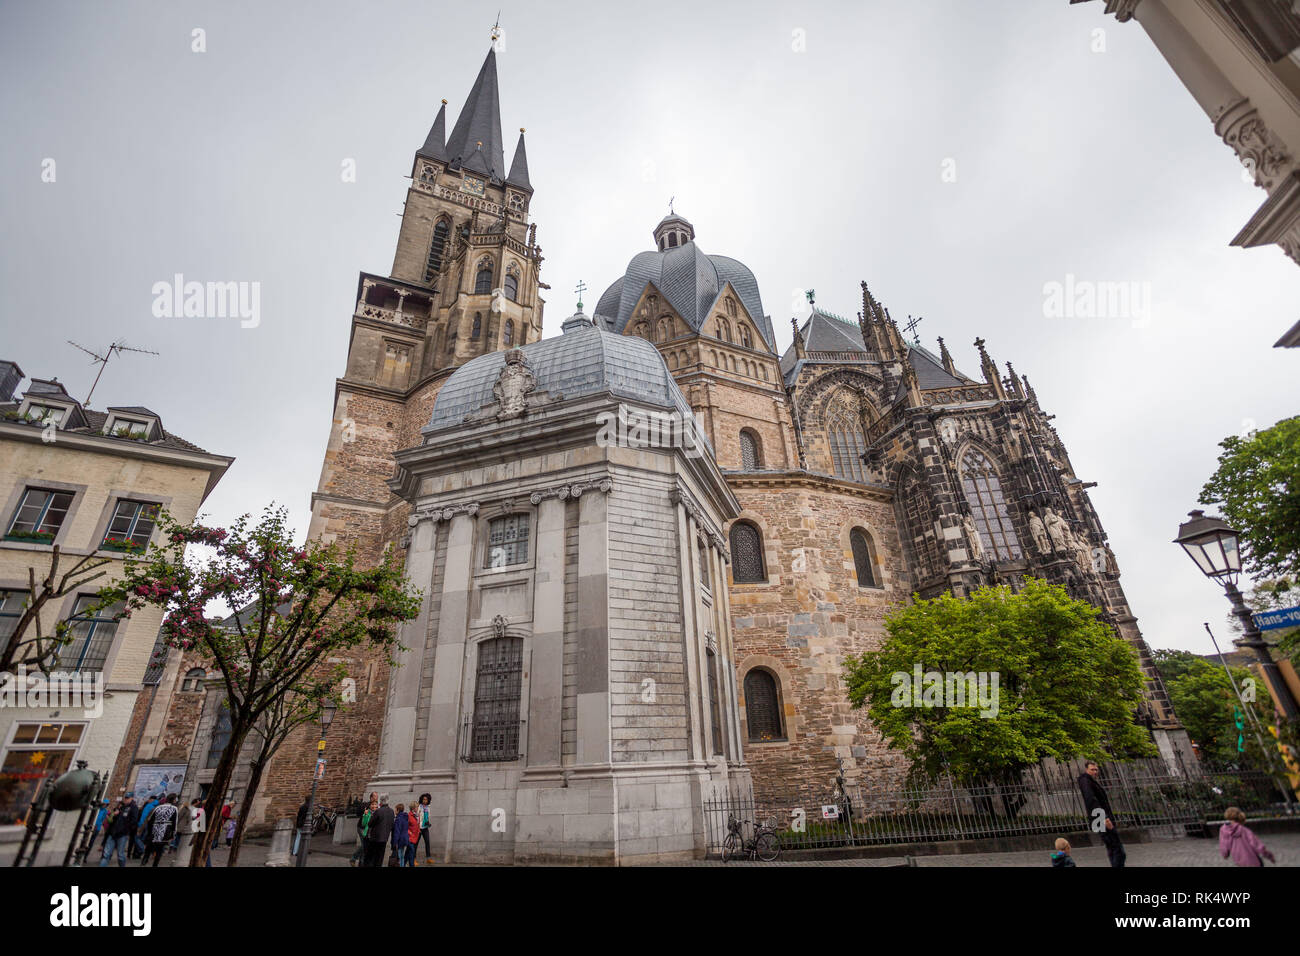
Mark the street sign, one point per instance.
(1272, 620)
(830, 812)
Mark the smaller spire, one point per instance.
(519, 166)
(435, 144)
(946, 357)
(990, 369)
(800, 348)
(1014, 381)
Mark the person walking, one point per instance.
(198, 826)
(1061, 857)
(363, 828)
(1239, 841)
(137, 847)
(423, 811)
(1101, 819)
(119, 830)
(99, 825)
(413, 834)
(401, 835)
(381, 831)
(161, 826)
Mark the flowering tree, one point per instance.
(298, 606)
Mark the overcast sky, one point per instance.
(816, 142)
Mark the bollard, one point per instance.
(281, 842)
(345, 830)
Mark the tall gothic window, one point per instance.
(746, 554)
(483, 279)
(983, 490)
(848, 444)
(864, 555)
(750, 459)
(512, 286)
(439, 242)
(478, 326)
(762, 706)
(715, 712)
(497, 689)
(508, 337)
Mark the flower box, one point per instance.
(32, 537)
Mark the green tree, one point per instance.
(301, 606)
(1257, 488)
(1204, 701)
(1068, 686)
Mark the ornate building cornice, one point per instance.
(573, 489)
(436, 513)
(706, 530)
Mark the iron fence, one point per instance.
(1039, 802)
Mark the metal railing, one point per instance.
(1041, 803)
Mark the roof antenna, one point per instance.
(496, 28)
(102, 360)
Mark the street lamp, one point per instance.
(1214, 546)
(304, 835)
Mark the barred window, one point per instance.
(749, 457)
(864, 558)
(439, 242)
(91, 634)
(715, 712)
(746, 554)
(762, 706)
(483, 280)
(983, 490)
(221, 731)
(498, 686)
(507, 541)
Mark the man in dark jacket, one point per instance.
(381, 830)
(119, 830)
(1100, 818)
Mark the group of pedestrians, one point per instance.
(145, 833)
(396, 832)
(1236, 840)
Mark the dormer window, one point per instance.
(46, 414)
(130, 428)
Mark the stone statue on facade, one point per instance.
(1037, 531)
(973, 536)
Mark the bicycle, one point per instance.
(765, 844)
(324, 820)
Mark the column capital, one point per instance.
(441, 513)
(574, 489)
(707, 532)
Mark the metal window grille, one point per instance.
(507, 541)
(748, 451)
(41, 511)
(862, 559)
(746, 554)
(762, 710)
(494, 734)
(983, 493)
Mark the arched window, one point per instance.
(983, 490)
(497, 688)
(672, 238)
(750, 459)
(746, 554)
(193, 680)
(844, 430)
(221, 731)
(731, 306)
(745, 338)
(511, 286)
(483, 280)
(477, 330)
(663, 333)
(439, 241)
(509, 336)
(724, 329)
(864, 558)
(762, 706)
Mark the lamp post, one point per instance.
(304, 835)
(1213, 545)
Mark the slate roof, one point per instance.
(95, 426)
(519, 167)
(691, 282)
(435, 144)
(480, 122)
(585, 360)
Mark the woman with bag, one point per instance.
(401, 837)
(161, 827)
(423, 811)
(363, 830)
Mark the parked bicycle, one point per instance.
(765, 845)
(324, 820)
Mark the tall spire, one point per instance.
(435, 144)
(475, 142)
(519, 167)
(946, 357)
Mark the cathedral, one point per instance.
(612, 633)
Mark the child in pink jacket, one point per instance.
(1239, 841)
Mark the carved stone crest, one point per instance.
(513, 384)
